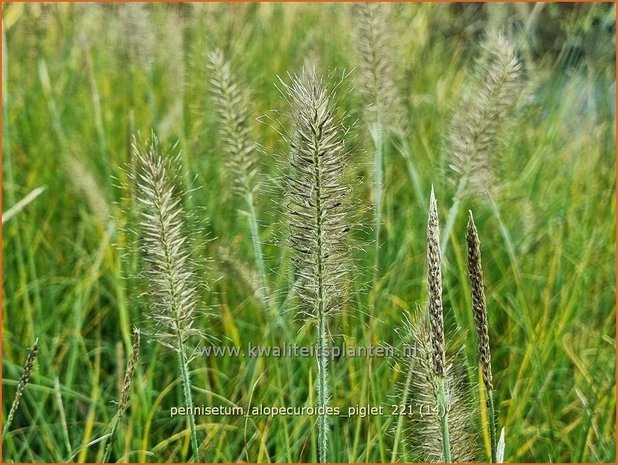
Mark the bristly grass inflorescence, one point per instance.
(317, 198)
(434, 281)
(483, 112)
(376, 66)
(231, 100)
(486, 107)
(479, 309)
(384, 111)
(434, 385)
(170, 270)
(436, 324)
(317, 217)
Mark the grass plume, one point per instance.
(21, 386)
(241, 270)
(376, 69)
(374, 72)
(434, 389)
(89, 187)
(317, 217)
(384, 110)
(231, 103)
(436, 322)
(170, 274)
(477, 125)
(137, 36)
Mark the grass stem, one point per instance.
(186, 391)
(265, 297)
(400, 418)
(492, 425)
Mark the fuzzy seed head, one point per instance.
(241, 270)
(170, 272)
(231, 101)
(317, 195)
(376, 70)
(486, 107)
(137, 34)
(475, 272)
(83, 179)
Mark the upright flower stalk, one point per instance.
(479, 310)
(440, 412)
(384, 111)
(436, 320)
(231, 103)
(317, 218)
(485, 108)
(170, 274)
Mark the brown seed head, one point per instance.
(434, 280)
(475, 272)
(422, 428)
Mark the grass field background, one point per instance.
(78, 80)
